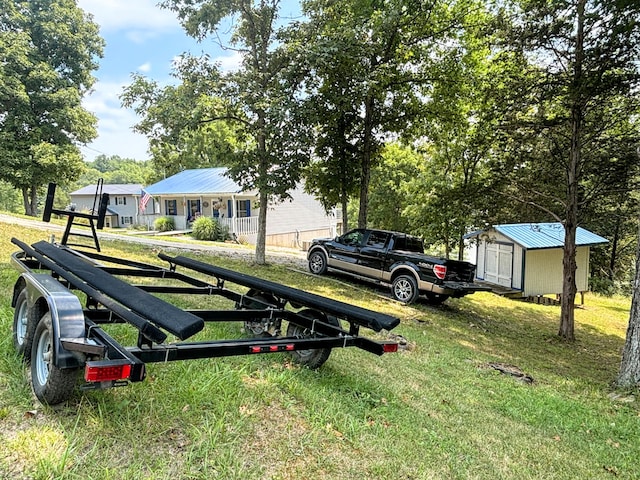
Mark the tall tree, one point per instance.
(368, 57)
(574, 99)
(257, 95)
(48, 49)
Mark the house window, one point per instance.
(126, 220)
(243, 208)
(121, 200)
(194, 209)
(171, 207)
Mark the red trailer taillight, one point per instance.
(94, 372)
(389, 347)
(440, 271)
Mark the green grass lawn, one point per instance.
(434, 410)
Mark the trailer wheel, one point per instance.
(405, 289)
(51, 385)
(318, 263)
(312, 358)
(24, 325)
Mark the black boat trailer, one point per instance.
(65, 300)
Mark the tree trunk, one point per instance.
(261, 239)
(567, 305)
(629, 375)
(367, 157)
(30, 201)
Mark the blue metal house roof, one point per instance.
(545, 235)
(202, 181)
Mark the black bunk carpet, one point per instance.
(176, 321)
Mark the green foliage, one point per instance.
(48, 50)
(164, 224)
(114, 170)
(207, 228)
(369, 62)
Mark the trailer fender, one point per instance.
(67, 317)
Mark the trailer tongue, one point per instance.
(60, 336)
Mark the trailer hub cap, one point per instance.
(43, 357)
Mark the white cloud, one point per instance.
(229, 63)
(136, 15)
(115, 123)
(145, 67)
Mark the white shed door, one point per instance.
(498, 264)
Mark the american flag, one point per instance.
(144, 199)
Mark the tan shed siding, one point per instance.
(480, 263)
(516, 273)
(543, 271)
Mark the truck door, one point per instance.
(373, 254)
(345, 250)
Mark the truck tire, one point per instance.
(435, 298)
(312, 358)
(25, 319)
(405, 289)
(51, 385)
(318, 262)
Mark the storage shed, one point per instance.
(526, 258)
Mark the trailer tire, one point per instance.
(25, 319)
(311, 358)
(51, 385)
(318, 263)
(405, 289)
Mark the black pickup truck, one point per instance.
(397, 259)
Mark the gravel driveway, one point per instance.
(274, 254)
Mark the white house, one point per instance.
(527, 257)
(123, 203)
(207, 191)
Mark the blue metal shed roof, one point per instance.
(545, 235)
(202, 181)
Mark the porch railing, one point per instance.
(240, 225)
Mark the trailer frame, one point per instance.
(60, 336)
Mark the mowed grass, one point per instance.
(435, 410)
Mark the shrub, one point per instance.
(205, 228)
(164, 224)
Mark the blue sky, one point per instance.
(140, 37)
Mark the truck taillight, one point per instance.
(94, 372)
(440, 271)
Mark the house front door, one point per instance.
(498, 265)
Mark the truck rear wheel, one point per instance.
(51, 385)
(405, 289)
(24, 325)
(314, 357)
